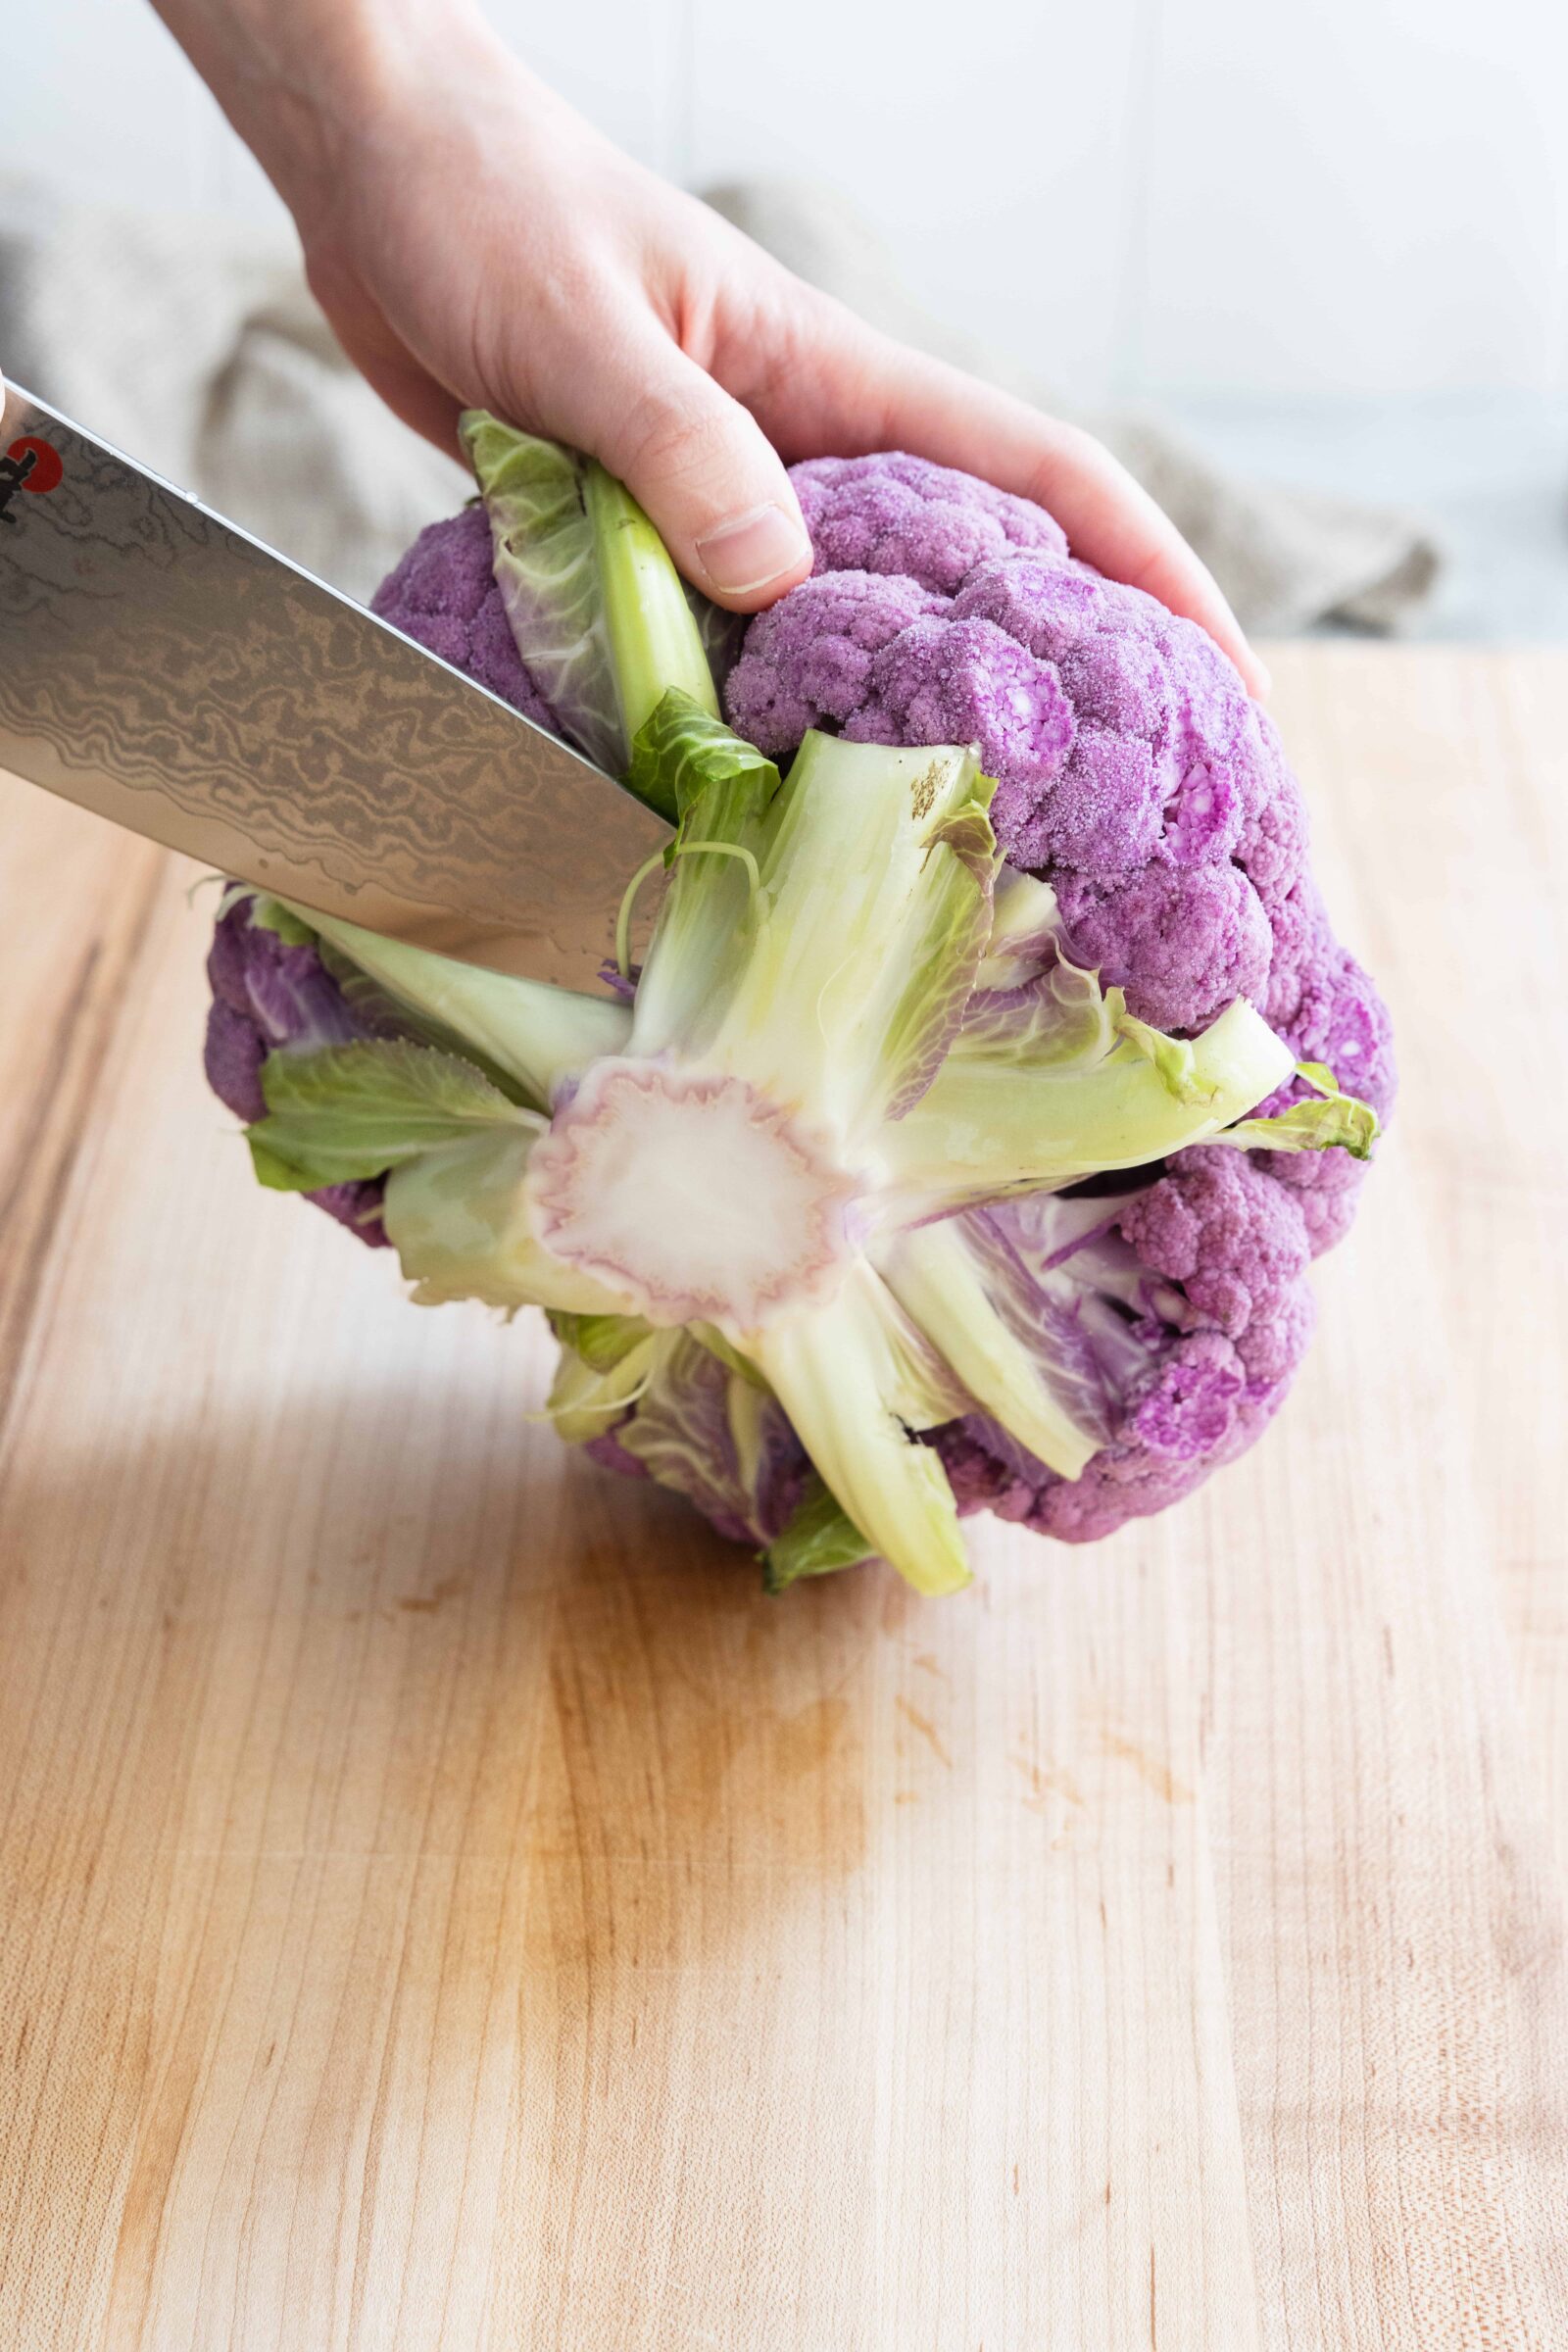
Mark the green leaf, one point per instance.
(355, 1112)
(944, 944)
(708, 1335)
(684, 760)
(546, 565)
(535, 1035)
(267, 913)
(818, 1539)
(655, 642)
(380, 1012)
(842, 1374)
(1055, 1012)
(967, 832)
(587, 1399)
(1326, 1121)
(603, 620)
(718, 790)
(602, 1341)
(458, 1217)
(874, 913)
(939, 1276)
(989, 1126)
(277, 1175)
(721, 631)
(1025, 930)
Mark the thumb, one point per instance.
(706, 474)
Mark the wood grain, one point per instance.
(446, 1905)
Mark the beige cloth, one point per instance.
(195, 345)
(1286, 559)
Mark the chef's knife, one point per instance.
(168, 671)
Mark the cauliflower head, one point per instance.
(1136, 777)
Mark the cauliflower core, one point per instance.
(612, 1186)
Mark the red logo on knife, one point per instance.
(30, 463)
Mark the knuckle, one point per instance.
(674, 431)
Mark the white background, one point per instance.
(1332, 199)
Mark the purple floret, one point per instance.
(811, 656)
(946, 681)
(444, 594)
(268, 995)
(903, 516)
(1192, 936)
(283, 990)
(1217, 1227)
(1135, 775)
(1132, 769)
(232, 1058)
(687, 1441)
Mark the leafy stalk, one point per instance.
(546, 565)
(655, 642)
(586, 1399)
(982, 1129)
(719, 789)
(458, 1219)
(1172, 1056)
(1321, 1121)
(347, 1113)
(602, 619)
(939, 1279)
(846, 1375)
(874, 914)
(537, 1035)
(599, 1339)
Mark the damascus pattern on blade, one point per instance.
(150, 651)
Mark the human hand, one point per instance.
(475, 243)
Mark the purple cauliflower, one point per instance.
(272, 992)
(1135, 776)
(444, 593)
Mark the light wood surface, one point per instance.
(444, 1903)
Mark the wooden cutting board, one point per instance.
(443, 1902)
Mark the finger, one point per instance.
(864, 391)
(698, 462)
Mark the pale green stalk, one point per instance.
(935, 1278)
(842, 1373)
(584, 1403)
(458, 1219)
(537, 1035)
(655, 642)
(983, 1127)
(868, 927)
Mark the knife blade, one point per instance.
(163, 667)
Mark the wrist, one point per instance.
(306, 82)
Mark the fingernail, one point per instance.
(753, 550)
(1265, 680)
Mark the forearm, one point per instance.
(303, 81)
